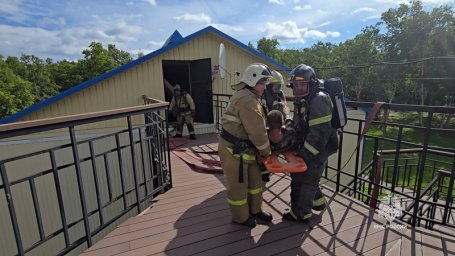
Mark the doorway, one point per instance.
(195, 77)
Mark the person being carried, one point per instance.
(183, 108)
(282, 138)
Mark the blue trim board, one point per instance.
(175, 40)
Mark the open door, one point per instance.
(201, 89)
(195, 77)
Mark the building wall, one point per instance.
(126, 88)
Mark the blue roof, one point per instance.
(174, 38)
(173, 41)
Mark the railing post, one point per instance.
(12, 210)
(397, 156)
(374, 168)
(61, 205)
(122, 173)
(357, 159)
(340, 152)
(133, 159)
(422, 168)
(445, 216)
(167, 146)
(80, 184)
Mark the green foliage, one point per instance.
(269, 47)
(15, 92)
(409, 33)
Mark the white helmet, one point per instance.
(254, 73)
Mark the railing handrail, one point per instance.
(109, 175)
(417, 150)
(34, 126)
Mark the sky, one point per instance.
(61, 29)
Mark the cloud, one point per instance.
(429, 2)
(333, 34)
(280, 2)
(303, 8)
(227, 28)
(363, 9)
(196, 18)
(151, 2)
(288, 31)
(323, 24)
(66, 42)
(373, 17)
(47, 21)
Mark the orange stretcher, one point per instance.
(290, 162)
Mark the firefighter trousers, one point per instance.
(244, 198)
(305, 190)
(185, 118)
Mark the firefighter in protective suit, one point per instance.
(273, 96)
(182, 107)
(312, 122)
(243, 143)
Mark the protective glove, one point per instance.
(193, 114)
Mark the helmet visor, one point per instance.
(276, 88)
(300, 88)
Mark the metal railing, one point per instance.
(108, 177)
(413, 171)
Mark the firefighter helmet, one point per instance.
(177, 89)
(302, 79)
(256, 73)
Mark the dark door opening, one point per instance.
(195, 77)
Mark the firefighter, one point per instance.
(182, 107)
(273, 96)
(312, 122)
(243, 143)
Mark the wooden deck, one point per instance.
(193, 219)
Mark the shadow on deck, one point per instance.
(193, 218)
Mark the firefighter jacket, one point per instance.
(244, 118)
(182, 104)
(320, 140)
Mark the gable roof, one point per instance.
(175, 37)
(172, 42)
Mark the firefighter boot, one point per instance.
(263, 216)
(250, 222)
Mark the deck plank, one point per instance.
(193, 218)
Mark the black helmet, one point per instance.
(300, 76)
(302, 73)
(177, 90)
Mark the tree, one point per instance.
(36, 71)
(269, 47)
(15, 92)
(67, 74)
(120, 57)
(97, 61)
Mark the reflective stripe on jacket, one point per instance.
(245, 119)
(320, 127)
